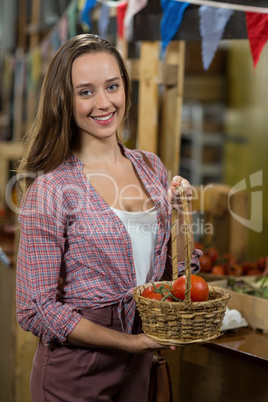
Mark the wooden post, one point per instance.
(148, 97)
(34, 40)
(170, 138)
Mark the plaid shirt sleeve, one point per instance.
(40, 256)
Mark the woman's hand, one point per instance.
(174, 197)
(142, 343)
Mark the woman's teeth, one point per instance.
(103, 118)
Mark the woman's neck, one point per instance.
(98, 152)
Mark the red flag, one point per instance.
(121, 11)
(257, 27)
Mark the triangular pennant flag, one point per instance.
(63, 29)
(133, 8)
(120, 16)
(212, 26)
(72, 18)
(257, 27)
(55, 39)
(103, 21)
(85, 13)
(172, 17)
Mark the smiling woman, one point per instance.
(95, 222)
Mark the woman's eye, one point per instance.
(113, 87)
(85, 92)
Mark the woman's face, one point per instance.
(99, 94)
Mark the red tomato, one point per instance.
(254, 271)
(212, 253)
(205, 263)
(198, 245)
(218, 270)
(154, 296)
(248, 266)
(199, 288)
(229, 258)
(149, 292)
(235, 269)
(261, 263)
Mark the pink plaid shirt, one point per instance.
(69, 231)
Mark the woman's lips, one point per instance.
(104, 120)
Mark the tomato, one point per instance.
(154, 296)
(248, 266)
(205, 263)
(254, 271)
(229, 258)
(147, 291)
(261, 263)
(218, 270)
(234, 269)
(212, 253)
(150, 293)
(198, 245)
(199, 288)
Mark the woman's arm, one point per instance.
(88, 334)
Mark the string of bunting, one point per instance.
(213, 18)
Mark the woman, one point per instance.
(95, 223)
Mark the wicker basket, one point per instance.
(187, 322)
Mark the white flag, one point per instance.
(212, 26)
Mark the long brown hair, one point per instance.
(50, 139)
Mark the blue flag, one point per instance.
(172, 17)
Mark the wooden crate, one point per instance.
(254, 309)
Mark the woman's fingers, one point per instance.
(174, 193)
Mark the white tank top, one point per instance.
(142, 229)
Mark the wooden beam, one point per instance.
(9, 151)
(170, 138)
(167, 73)
(148, 97)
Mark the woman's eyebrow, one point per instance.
(88, 84)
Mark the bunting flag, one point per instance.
(63, 29)
(212, 26)
(55, 39)
(120, 17)
(103, 21)
(85, 13)
(36, 65)
(133, 8)
(257, 27)
(72, 17)
(172, 17)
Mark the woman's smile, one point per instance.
(105, 119)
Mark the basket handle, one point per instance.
(187, 239)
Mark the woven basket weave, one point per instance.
(180, 323)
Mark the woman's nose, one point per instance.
(102, 100)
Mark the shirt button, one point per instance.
(158, 252)
(34, 300)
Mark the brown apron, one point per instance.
(69, 373)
